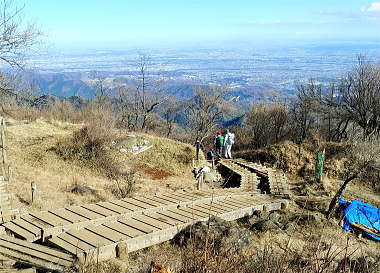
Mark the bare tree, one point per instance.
(17, 37)
(170, 110)
(268, 123)
(101, 88)
(305, 110)
(358, 98)
(204, 111)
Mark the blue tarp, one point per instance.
(360, 212)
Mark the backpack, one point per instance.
(220, 140)
(230, 139)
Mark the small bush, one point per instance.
(125, 186)
(186, 156)
(89, 145)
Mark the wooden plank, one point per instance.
(237, 203)
(165, 219)
(35, 221)
(138, 225)
(89, 237)
(29, 259)
(196, 207)
(178, 197)
(29, 236)
(37, 247)
(107, 233)
(160, 200)
(113, 207)
(234, 205)
(49, 218)
(189, 212)
(75, 242)
(85, 212)
(137, 203)
(150, 201)
(174, 215)
(214, 207)
(33, 253)
(99, 210)
(56, 241)
(169, 199)
(151, 221)
(227, 205)
(124, 229)
(126, 205)
(28, 226)
(68, 215)
(208, 208)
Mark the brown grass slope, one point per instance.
(32, 149)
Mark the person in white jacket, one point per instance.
(229, 140)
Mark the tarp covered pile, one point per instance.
(360, 214)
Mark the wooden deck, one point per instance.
(101, 241)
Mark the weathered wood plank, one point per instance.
(24, 233)
(85, 212)
(107, 233)
(99, 210)
(68, 215)
(124, 229)
(151, 221)
(138, 225)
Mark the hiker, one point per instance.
(229, 140)
(219, 143)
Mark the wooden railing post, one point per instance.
(3, 147)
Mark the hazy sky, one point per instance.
(150, 23)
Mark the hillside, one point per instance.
(32, 153)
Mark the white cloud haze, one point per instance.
(374, 7)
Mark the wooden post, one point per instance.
(10, 174)
(3, 142)
(200, 181)
(34, 190)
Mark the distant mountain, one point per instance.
(62, 84)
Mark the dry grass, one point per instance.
(32, 153)
(324, 248)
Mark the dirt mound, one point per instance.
(288, 157)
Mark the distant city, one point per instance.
(249, 73)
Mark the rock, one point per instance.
(266, 221)
(224, 235)
(266, 225)
(212, 177)
(79, 189)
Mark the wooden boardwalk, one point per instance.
(45, 224)
(110, 229)
(278, 182)
(248, 181)
(131, 233)
(100, 230)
